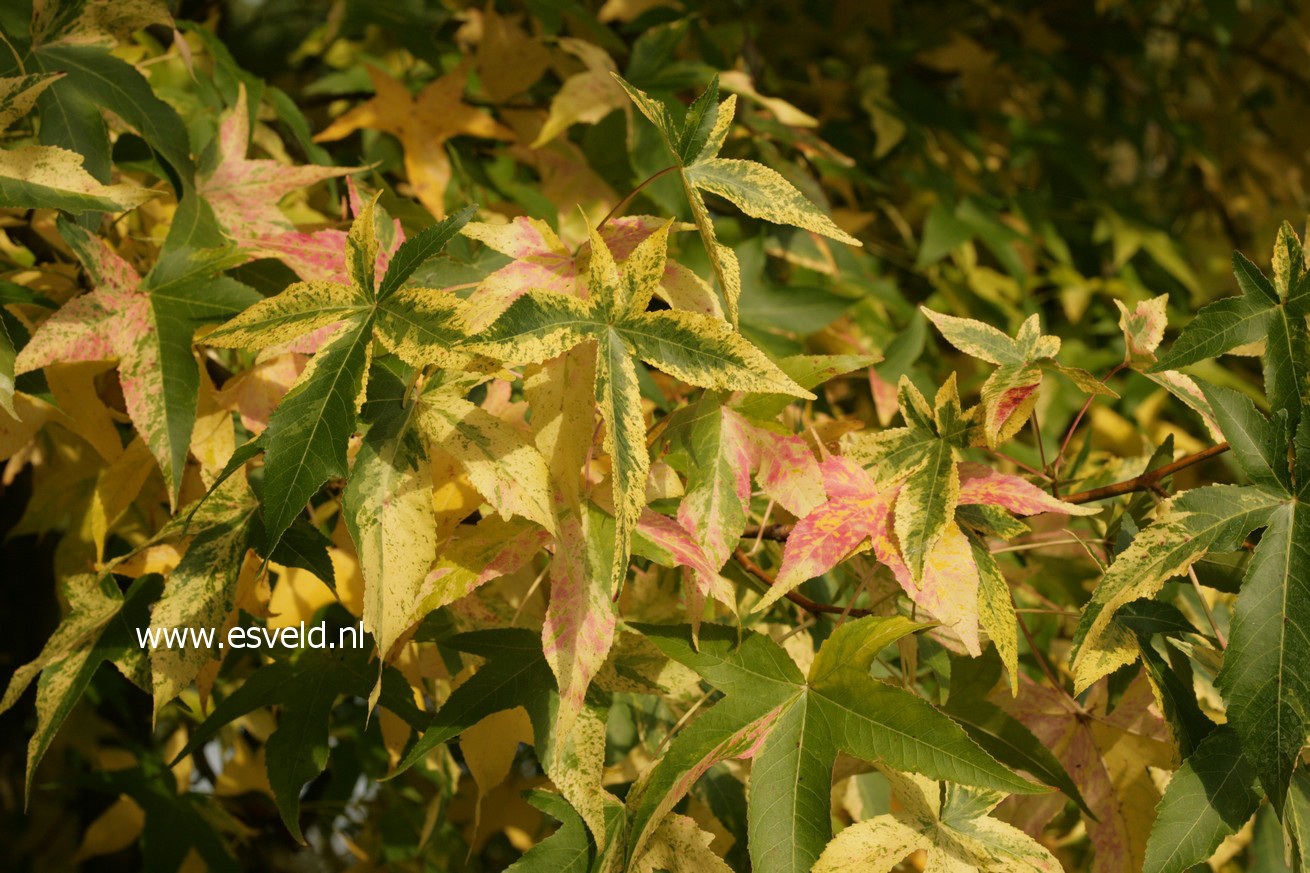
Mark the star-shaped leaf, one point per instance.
(244, 193)
(307, 435)
(755, 189)
(1010, 393)
(948, 823)
(694, 348)
(792, 726)
(423, 124)
(146, 325)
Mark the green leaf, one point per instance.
(415, 251)
(1216, 517)
(1263, 679)
(1208, 799)
(1218, 328)
(99, 627)
(1005, 738)
(797, 728)
(309, 430)
(305, 690)
(1258, 444)
(568, 850)
(112, 84)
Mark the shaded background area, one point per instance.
(1009, 156)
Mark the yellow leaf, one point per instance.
(80, 408)
(585, 97)
(115, 829)
(422, 124)
(509, 60)
(490, 745)
(116, 488)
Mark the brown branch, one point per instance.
(1145, 482)
(812, 606)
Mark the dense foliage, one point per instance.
(729, 436)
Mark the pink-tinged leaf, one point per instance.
(245, 193)
(714, 509)
(788, 472)
(981, 484)
(1143, 327)
(114, 321)
(845, 478)
(885, 402)
(541, 262)
(949, 589)
(1011, 402)
(681, 548)
(493, 548)
(580, 620)
(855, 511)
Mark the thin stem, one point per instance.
(1020, 464)
(1041, 448)
(633, 193)
(1055, 468)
(22, 69)
(764, 523)
(1205, 605)
(1043, 663)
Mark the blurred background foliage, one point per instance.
(996, 159)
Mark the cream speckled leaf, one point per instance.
(926, 506)
(388, 510)
(1214, 517)
(422, 326)
(875, 845)
(996, 612)
(678, 845)
(581, 618)
(472, 558)
(761, 192)
(1143, 328)
(500, 460)
(200, 593)
(975, 338)
(49, 177)
(948, 823)
(18, 95)
(704, 351)
(300, 309)
(619, 399)
(561, 397)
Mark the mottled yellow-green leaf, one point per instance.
(501, 461)
(619, 399)
(704, 351)
(996, 611)
(560, 394)
(948, 823)
(362, 248)
(388, 511)
(761, 192)
(926, 506)
(18, 95)
(422, 326)
(49, 177)
(201, 591)
(537, 326)
(300, 309)
(678, 845)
